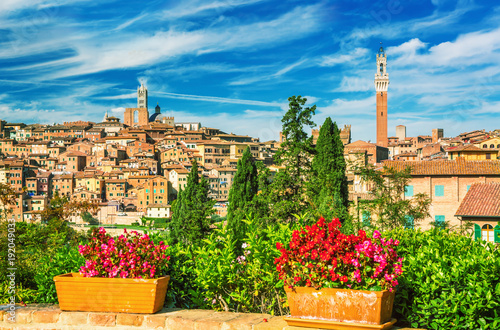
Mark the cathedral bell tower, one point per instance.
(381, 86)
(142, 97)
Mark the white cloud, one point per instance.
(247, 80)
(118, 111)
(201, 7)
(360, 83)
(136, 51)
(341, 57)
(217, 99)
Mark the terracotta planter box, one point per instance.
(98, 294)
(340, 308)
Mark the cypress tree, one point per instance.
(329, 191)
(192, 209)
(287, 195)
(243, 190)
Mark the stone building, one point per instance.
(446, 182)
(481, 206)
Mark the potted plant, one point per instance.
(337, 281)
(123, 274)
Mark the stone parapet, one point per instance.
(51, 317)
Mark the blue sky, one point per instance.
(232, 64)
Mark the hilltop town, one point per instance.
(135, 167)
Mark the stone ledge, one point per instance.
(46, 317)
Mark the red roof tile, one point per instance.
(460, 166)
(482, 200)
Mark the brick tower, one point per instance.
(381, 86)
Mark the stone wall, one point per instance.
(51, 317)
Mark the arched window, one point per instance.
(487, 233)
(498, 146)
(381, 68)
(136, 116)
(485, 146)
(492, 146)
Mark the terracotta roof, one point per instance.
(460, 166)
(482, 200)
(466, 147)
(360, 143)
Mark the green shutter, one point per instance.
(408, 191)
(409, 222)
(439, 190)
(439, 221)
(477, 232)
(366, 216)
(468, 187)
(497, 234)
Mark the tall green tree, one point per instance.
(328, 185)
(191, 210)
(242, 193)
(288, 190)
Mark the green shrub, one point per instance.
(449, 281)
(67, 259)
(23, 294)
(219, 275)
(181, 269)
(33, 242)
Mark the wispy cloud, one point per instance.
(247, 80)
(340, 58)
(218, 99)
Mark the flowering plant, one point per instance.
(321, 256)
(128, 256)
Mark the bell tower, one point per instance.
(142, 97)
(381, 86)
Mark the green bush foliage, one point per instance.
(215, 275)
(64, 260)
(33, 242)
(449, 281)
(23, 294)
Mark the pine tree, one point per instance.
(328, 186)
(242, 193)
(192, 209)
(288, 194)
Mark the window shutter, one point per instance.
(440, 221)
(366, 216)
(439, 190)
(477, 232)
(409, 222)
(497, 234)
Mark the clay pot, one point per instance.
(340, 307)
(100, 294)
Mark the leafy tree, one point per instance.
(387, 204)
(60, 209)
(88, 218)
(243, 190)
(287, 194)
(192, 210)
(8, 196)
(328, 186)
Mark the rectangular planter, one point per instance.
(100, 294)
(341, 305)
